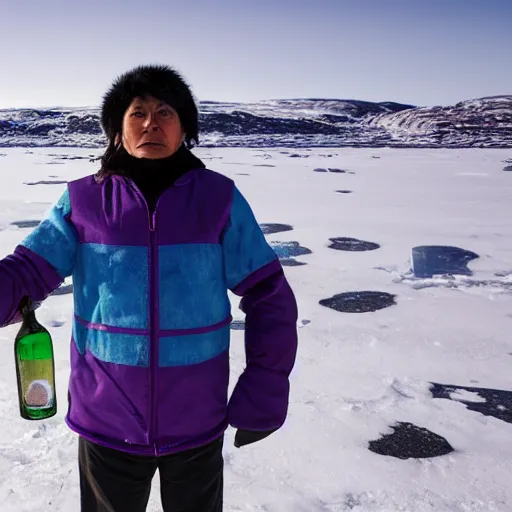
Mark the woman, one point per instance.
(154, 241)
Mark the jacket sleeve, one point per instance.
(40, 263)
(259, 401)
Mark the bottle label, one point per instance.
(39, 395)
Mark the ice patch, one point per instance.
(269, 229)
(359, 302)
(409, 441)
(352, 244)
(466, 396)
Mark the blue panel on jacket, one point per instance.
(55, 239)
(129, 349)
(111, 285)
(193, 348)
(244, 245)
(192, 289)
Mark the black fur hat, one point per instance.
(159, 81)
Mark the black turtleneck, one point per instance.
(152, 177)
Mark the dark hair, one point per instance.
(161, 82)
(111, 160)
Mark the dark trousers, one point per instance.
(114, 481)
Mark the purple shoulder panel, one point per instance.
(198, 206)
(111, 212)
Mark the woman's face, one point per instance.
(151, 129)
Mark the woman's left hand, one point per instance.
(243, 437)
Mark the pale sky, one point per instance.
(424, 52)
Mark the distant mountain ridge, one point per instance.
(483, 122)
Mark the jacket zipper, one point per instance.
(154, 327)
(153, 319)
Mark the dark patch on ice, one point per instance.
(296, 155)
(26, 223)
(359, 302)
(45, 182)
(290, 262)
(264, 165)
(237, 325)
(498, 403)
(409, 441)
(352, 244)
(375, 156)
(242, 174)
(508, 168)
(3, 154)
(53, 162)
(269, 229)
(63, 290)
(70, 157)
(344, 191)
(56, 323)
(286, 250)
(332, 169)
(429, 260)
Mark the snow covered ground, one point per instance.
(357, 374)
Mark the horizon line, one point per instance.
(217, 102)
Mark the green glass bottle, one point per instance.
(35, 369)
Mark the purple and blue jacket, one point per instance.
(151, 328)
